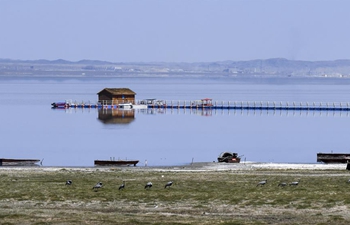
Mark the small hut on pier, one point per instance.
(115, 96)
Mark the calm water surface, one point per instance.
(76, 137)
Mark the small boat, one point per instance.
(116, 162)
(229, 157)
(60, 105)
(18, 162)
(333, 157)
(125, 106)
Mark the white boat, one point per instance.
(131, 106)
(138, 106)
(125, 106)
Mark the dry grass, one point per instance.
(39, 196)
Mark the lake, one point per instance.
(76, 137)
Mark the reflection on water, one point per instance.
(113, 116)
(234, 112)
(122, 116)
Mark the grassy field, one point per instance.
(39, 196)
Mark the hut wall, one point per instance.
(117, 99)
(108, 98)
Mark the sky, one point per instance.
(174, 30)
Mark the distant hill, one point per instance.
(259, 67)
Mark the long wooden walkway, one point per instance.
(300, 106)
(261, 106)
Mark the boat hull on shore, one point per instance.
(18, 162)
(116, 162)
(333, 157)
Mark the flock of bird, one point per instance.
(168, 185)
(283, 184)
(122, 186)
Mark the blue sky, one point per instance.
(174, 30)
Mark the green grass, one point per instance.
(225, 197)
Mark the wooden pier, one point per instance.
(306, 106)
(228, 105)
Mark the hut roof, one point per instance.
(118, 91)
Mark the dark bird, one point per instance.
(122, 186)
(97, 186)
(262, 183)
(168, 184)
(69, 182)
(148, 185)
(283, 184)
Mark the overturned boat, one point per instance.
(18, 162)
(115, 162)
(229, 157)
(333, 157)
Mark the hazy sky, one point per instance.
(174, 30)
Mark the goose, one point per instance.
(148, 185)
(261, 183)
(168, 184)
(283, 184)
(294, 183)
(69, 182)
(122, 186)
(98, 185)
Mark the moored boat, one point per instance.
(125, 106)
(115, 162)
(60, 104)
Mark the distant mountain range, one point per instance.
(261, 68)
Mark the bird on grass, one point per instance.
(148, 185)
(168, 184)
(262, 183)
(283, 184)
(122, 186)
(69, 182)
(97, 186)
(294, 183)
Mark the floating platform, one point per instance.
(333, 157)
(115, 162)
(268, 106)
(18, 162)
